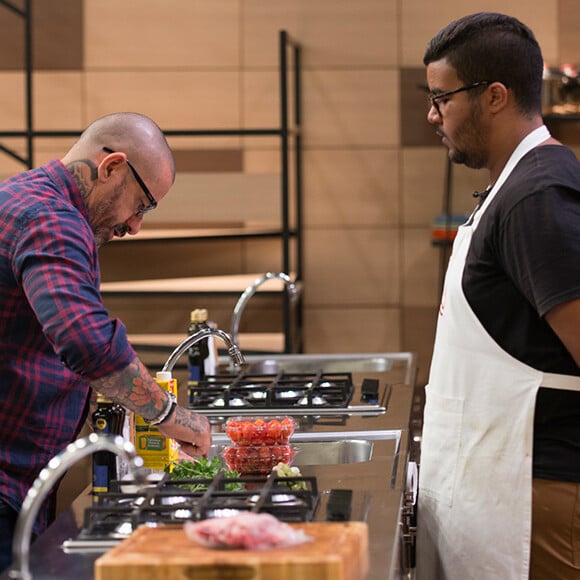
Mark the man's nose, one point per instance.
(433, 115)
(134, 224)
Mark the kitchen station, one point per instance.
(352, 444)
(289, 290)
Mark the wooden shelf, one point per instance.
(225, 284)
(167, 233)
(562, 117)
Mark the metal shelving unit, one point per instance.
(288, 132)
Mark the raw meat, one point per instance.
(247, 530)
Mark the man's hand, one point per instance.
(135, 389)
(191, 430)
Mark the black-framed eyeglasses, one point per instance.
(150, 198)
(434, 98)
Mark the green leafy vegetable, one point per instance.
(202, 468)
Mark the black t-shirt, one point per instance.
(523, 260)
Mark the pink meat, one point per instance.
(248, 530)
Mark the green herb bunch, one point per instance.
(202, 468)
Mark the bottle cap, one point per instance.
(103, 399)
(163, 375)
(199, 315)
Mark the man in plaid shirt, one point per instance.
(56, 338)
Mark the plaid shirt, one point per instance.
(55, 333)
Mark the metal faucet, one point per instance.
(251, 290)
(46, 479)
(233, 350)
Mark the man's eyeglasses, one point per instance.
(434, 98)
(150, 198)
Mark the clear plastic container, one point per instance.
(257, 431)
(259, 460)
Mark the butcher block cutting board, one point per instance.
(339, 551)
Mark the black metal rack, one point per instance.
(288, 131)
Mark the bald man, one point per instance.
(56, 338)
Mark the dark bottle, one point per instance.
(107, 419)
(199, 352)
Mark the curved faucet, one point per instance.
(251, 290)
(233, 350)
(46, 479)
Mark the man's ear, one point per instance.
(110, 163)
(498, 96)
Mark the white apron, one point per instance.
(475, 476)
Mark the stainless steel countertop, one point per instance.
(378, 485)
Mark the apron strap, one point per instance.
(565, 382)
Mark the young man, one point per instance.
(502, 417)
(56, 338)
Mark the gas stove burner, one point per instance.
(280, 392)
(173, 500)
(235, 402)
(288, 394)
(322, 385)
(223, 513)
(280, 499)
(116, 515)
(316, 401)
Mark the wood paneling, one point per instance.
(415, 130)
(57, 30)
(167, 35)
(334, 33)
(208, 160)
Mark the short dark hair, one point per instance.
(488, 46)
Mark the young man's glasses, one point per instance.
(150, 198)
(435, 98)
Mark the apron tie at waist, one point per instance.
(564, 382)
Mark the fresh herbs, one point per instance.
(202, 468)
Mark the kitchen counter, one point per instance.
(378, 485)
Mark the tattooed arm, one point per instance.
(134, 388)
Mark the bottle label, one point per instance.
(100, 478)
(151, 443)
(194, 374)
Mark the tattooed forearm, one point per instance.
(191, 430)
(134, 388)
(192, 421)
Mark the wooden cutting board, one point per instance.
(339, 552)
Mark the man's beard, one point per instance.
(100, 220)
(102, 234)
(472, 133)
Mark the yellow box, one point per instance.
(157, 451)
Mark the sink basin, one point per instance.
(324, 452)
(333, 452)
(303, 363)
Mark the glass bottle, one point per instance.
(107, 419)
(199, 352)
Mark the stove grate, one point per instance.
(115, 515)
(276, 391)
